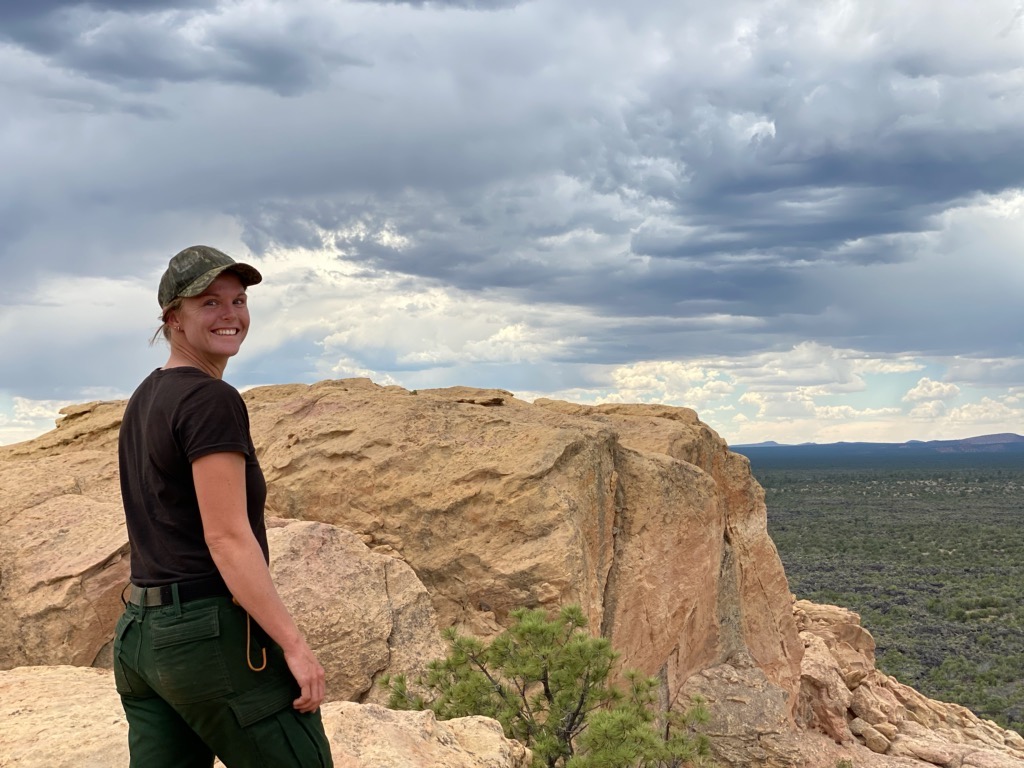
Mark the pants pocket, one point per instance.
(280, 734)
(187, 657)
(121, 682)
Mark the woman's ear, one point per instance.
(171, 319)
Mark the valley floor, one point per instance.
(931, 554)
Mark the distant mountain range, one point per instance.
(1005, 445)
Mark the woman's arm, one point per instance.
(220, 488)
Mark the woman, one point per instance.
(207, 659)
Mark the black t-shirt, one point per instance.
(175, 417)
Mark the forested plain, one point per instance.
(928, 550)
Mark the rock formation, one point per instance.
(63, 548)
(402, 512)
(846, 697)
(71, 717)
(639, 513)
(366, 613)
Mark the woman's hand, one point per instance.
(309, 675)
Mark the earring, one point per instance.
(177, 327)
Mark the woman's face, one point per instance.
(214, 324)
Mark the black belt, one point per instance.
(151, 597)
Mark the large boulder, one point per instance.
(364, 612)
(71, 717)
(638, 513)
(63, 546)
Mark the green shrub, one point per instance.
(546, 681)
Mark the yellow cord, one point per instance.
(248, 641)
(248, 645)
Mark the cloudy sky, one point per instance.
(802, 218)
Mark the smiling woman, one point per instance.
(207, 660)
(209, 328)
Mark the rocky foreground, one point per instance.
(400, 513)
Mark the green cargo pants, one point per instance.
(189, 693)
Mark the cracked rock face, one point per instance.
(639, 513)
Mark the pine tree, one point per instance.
(546, 681)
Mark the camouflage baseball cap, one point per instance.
(192, 270)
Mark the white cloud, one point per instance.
(898, 364)
(346, 368)
(927, 389)
(1002, 412)
(848, 413)
(667, 382)
(34, 410)
(810, 392)
(931, 409)
(25, 419)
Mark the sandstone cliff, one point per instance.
(455, 506)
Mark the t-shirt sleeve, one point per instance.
(212, 419)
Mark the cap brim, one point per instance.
(247, 274)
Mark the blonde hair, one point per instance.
(164, 329)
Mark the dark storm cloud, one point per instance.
(646, 163)
(470, 5)
(824, 163)
(15, 15)
(742, 228)
(826, 200)
(465, 250)
(147, 44)
(796, 192)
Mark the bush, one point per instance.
(546, 681)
